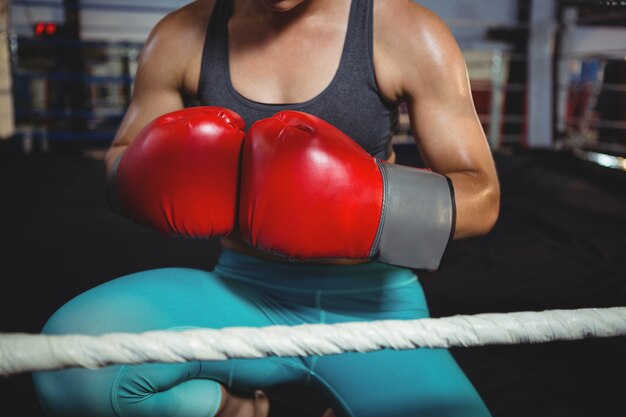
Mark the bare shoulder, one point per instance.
(191, 17)
(407, 26)
(173, 50)
(417, 42)
(183, 26)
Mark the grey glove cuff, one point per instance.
(418, 217)
(111, 186)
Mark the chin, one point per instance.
(281, 5)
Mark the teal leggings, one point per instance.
(245, 291)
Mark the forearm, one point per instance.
(477, 198)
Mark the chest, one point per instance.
(292, 64)
(291, 67)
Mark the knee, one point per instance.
(84, 314)
(131, 303)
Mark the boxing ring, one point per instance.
(24, 352)
(587, 373)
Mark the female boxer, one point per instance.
(338, 69)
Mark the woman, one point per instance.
(350, 63)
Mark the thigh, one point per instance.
(420, 382)
(172, 298)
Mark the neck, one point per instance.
(280, 13)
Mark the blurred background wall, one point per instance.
(544, 73)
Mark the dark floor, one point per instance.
(560, 242)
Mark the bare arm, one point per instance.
(435, 84)
(160, 79)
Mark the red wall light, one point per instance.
(40, 28)
(51, 28)
(46, 29)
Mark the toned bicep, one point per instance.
(147, 104)
(157, 89)
(443, 118)
(448, 134)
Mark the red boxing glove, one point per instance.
(180, 175)
(309, 191)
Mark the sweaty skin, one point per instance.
(275, 58)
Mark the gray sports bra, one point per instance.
(351, 102)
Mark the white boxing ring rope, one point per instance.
(29, 352)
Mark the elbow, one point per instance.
(491, 210)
